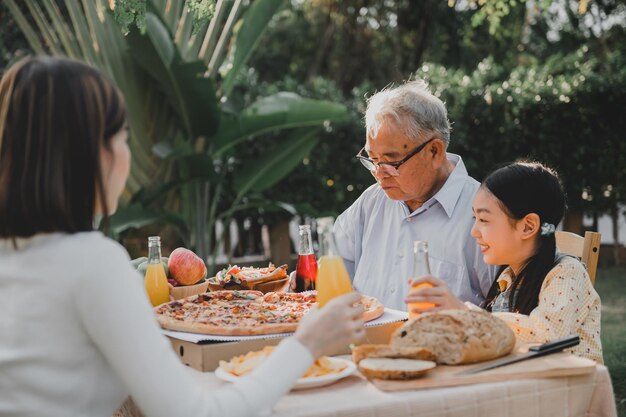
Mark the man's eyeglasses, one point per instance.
(390, 168)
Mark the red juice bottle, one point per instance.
(306, 268)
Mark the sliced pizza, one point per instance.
(245, 313)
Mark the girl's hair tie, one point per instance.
(547, 229)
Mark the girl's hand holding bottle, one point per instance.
(435, 292)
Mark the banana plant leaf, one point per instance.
(191, 94)
(275, 163)
(198, 166)
(135, 216)
(259, 202)
(150, 194)
(280, 111)
(255, 21)
(173, 106)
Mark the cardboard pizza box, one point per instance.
(203, 352)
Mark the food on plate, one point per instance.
(387, 351)
(387, 368)
(244, 364)
(234, 275)
(373, 308)
(185, 267)
(244, 312)
(457, 336)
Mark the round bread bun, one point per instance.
(457, 336)
(387, 368)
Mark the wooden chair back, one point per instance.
(587, 249)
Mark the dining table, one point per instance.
(588, 395)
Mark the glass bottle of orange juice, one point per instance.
(421, 267)
(332, 277)
(156, 281)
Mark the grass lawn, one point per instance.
(611, 285)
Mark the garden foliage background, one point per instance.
(522, 79)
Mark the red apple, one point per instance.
(186, 267)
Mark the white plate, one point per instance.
(301, 383)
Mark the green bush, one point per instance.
(567, 112)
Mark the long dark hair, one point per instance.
(522, 188)
(56, 115)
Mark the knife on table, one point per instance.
(533, 352)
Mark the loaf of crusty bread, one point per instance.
(387, 351)
(457, 336)
(387, 368)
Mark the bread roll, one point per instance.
(386, 368)
(387, 351)
(457, 336)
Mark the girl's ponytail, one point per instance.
(538, 266)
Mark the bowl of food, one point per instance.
(182, 291)
(185, 271)
(269, 279)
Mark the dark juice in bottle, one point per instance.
(306, 268)
(306, 271)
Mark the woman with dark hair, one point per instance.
(540, 293)
(78, 332)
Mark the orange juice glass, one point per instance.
(332, 279)
(155, 279)
(156, 284)
(419, 305)
(421, 267)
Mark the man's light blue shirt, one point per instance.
(375, 238)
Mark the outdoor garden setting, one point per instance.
(243, 120)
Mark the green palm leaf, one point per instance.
(255, 21)
(135, 216)
(191, 95)
(275, 163)
(280, 111)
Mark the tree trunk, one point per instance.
(573, 222)
(257, 238)
(423, 32)
(594, 226)
(280, 242)
(227, 244)
(322, 50)
(615, 221)
(241, 238)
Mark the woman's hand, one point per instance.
(437, 293)
(336, 325)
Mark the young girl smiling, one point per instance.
(541, 293)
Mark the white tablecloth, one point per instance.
(585, 396)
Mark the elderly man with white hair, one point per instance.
(421, 193)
